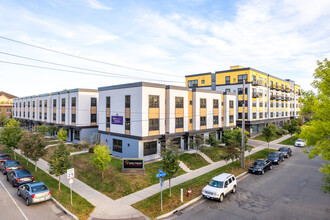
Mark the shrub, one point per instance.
(91, 150)
(82, 145)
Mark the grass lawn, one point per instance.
(81, 207)
(289, 141)
(262, 137)
(193, 161)
(116, 184)
(214, 153)
(50, 151)
(151, 205)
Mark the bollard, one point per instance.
(181, 195)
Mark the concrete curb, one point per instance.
(64, 209)
(192, 201)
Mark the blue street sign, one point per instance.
(160, 175)
(160, 171)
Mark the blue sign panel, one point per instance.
(160, 175)
(160, 171)
(117, 120)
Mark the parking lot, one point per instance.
(13, 207)
(290, 191)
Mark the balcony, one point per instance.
(277, 97)
(272, 97)
(287, 90)
(254, 83)
(282, 98)
(282, 89)
(255, 95)
(277, 89)
(260, 83)
(272, 87)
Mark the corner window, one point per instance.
(150, 148)
(93, 118)
(227, 79)
(73, 101)
(153, 101)
(154, 124)
(127, 101)
(107, 100)
(193, 83)
(231, 104)
(117, 145)
(178, 102)
(63, 102)
(202, 103)
(215, 103)
(93, 102)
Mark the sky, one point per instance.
(166, 39)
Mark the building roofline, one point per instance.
(206, 91)
(132, 85)
(199, 74)
(177, 87)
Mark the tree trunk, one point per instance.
(59, 182)
(169, 182)
(102, 176)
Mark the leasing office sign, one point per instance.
(132, 165)
(117, 120)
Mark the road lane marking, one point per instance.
(14, 201)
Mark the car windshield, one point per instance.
(4, 157)
(283, 149)
(39, 188)
(258, 163)
(273, 154)
(217, 184)
(299, 140)
(23, 173)
(12, 163)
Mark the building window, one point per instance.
(45, 103)
(178, 122)
(93, 118)
(127, 101)
(45, 116)
(73, 102)
(202, 103)
(203, 121)
(254, 104)
(276, 104)
(73, 118)
(266, 115)
(178, 102)
(272, 114)
(54, 102)
(215, 120)
(231, 118)
(231, 104)
(260, 115)
(276, 114)
(117, 145)
(150, 148)
(242, 77)
(77, 134)
(154, 124)
(240, 103)
(33, 114)
(203, 81)
(63, 102)
(271, 84)
(227, 79)
(54, 116)
(108, 122)
(127, 124)
(215, 103)
(107, 100)
(63, 117)
(271, 104)
(93, 102)
(240, 115)
(190, 102)
(40, 104)
(28, 104)
(153, 101)
(254, 115)
(227, 90)
(192, 83)
(260, 104)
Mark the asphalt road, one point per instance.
(290, 191)
(13, 207)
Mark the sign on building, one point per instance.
(133, 165)
(117, 120)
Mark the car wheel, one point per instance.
(18, 192)
(234, 189)
(262, 172)
(13, 184)
(271, 167)
(27, 202)
(221, 198)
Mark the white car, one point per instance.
(300, 143)
(220, 186)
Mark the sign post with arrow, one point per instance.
(160, 175)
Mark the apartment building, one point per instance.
(6, 101)
(268, 99)
(136, 119)
(75, 110)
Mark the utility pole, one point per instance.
(243, 128)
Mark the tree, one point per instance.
(170, 165)
(52, 130)
(3, 118)
(211, 140)
(62, 135)
(197, 142)
(292, 128)
(11, 134)
(285, 125)
(231, 137)
(233, 152)
(32, 146)
(43, 129)
(101, 158)
(59, 162)
(317, 131)
(269, 132)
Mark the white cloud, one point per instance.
(95, 4)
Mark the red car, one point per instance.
(4, 157)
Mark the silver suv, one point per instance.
(220, 186)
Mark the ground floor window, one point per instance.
(77, 134)
(254, 129)
(150, 148)
(117, 145)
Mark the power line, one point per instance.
(75, 67)
(88, 59)
(72, 71)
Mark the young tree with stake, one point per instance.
(101, 158)
(170, 165)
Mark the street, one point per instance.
(13, 207)
(290, 191)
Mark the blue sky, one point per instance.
(283, 38)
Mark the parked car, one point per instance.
(300, 143)
(4, 157)
(34, 192)
(7, 165)
(286, 151)
(260, 166)
(275, 157)
(19, 177)
(220, 186)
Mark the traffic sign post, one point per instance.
(160, 175)
(70, 176)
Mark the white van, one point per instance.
(220, 186)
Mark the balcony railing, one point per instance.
(260, 83)
(255, 95)
(277, 97)
(254, 83)
(272, 97)
(272, 87)
(277, 89)
(282, 89)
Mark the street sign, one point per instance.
(70, 173)
(71, 180)
(160, 171)
(160, 175)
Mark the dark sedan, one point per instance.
(286, 151)
(19, 177)
(4, 157)
(275, 157)
(8, 165)
(260, 166)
